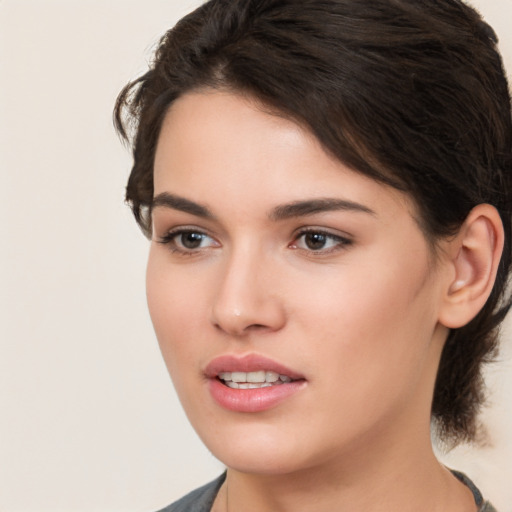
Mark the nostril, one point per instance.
(256, 327)
(240, 314)
(251, 327)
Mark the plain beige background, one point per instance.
(88, 417)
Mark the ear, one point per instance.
(473, 258)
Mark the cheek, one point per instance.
(374, 323)
(175, 309)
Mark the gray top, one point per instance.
(485, 506)
(201, 500)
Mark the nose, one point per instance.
(247, 297)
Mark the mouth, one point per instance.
(253, 380)
(251, 383)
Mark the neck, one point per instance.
(366, 481)
(390, 468)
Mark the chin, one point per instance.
(258, 450)
(258, 462)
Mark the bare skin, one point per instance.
(343, 290)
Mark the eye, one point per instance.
(319, 241)
(188, 240)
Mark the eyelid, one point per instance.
(343, 240)
(168, 239)
(182, 228)
(335, 233)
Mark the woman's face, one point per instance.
(269, 257)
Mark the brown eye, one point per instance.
(315, 241)
(190, 240)
(320, 242)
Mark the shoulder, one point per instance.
(485, 506)
(199, 500)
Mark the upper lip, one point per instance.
(247, 363)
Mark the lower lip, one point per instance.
(252, 400)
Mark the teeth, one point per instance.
(252, 380)
(256, 376)
(239, 377)
(271, 377)
(250, 385)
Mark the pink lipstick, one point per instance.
(251, 383)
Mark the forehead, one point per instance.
(223, 148)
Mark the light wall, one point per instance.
(88, 418)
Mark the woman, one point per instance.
(327, 188)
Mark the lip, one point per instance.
(250, 400)
(247, 363)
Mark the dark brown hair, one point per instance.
(410, 93)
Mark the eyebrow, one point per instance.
(313, 206)
(167, 200)
(281, 212)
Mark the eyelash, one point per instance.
(341, 242)
(169, 239)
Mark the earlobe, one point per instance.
(474, 256)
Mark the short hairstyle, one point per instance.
(410, 93)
